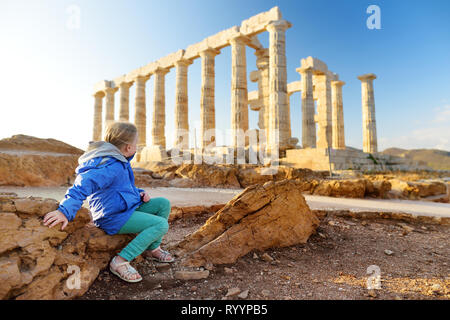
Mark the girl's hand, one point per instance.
(145, 196)
(55, 217)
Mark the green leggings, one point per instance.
(150, 220)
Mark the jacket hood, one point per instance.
(96, 152)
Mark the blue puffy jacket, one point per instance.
(105, 178)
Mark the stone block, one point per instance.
(153, 153)
(222, 38)
(258, 23)
(169, 60)
(314, 63)
(294, 86)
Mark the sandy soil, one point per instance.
(331, 265)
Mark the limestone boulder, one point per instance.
(215, 175)
(348, 188)
(23, 142)
(404, 189)
(418, 189)
(30, 161)
(147, 178)
(377, 188)
(248, 175)
(254, 174)
(273, 214)
(38, 262)
(430, 188)
(205, 175)
(352, 188)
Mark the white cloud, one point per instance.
(432, 135)
(442, 114)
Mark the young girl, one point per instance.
(105, 177)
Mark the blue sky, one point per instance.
(49, 69)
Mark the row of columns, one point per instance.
(276, 119)
(274, 115)
(330, 118)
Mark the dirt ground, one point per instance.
(413, 260)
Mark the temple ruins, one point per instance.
(323, 139)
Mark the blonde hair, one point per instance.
(120, 133)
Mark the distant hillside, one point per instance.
(434, 158)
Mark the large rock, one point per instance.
(30, 161)
(38, 262)
(254, 174)
(430, 188)
(191, 175)
(377, 188)
(24, 142)
(418, 189)
(206, 175)
(274, 214)
(352, 188)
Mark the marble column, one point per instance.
(109, 114)
(262, 63)
(98, 106)
(140, 114)
(207, 108)
(308, 123)
(159, 109)
(124, 108)
(323, 87)
(337, 115)
(239, 93)
(181, 105)
(278, 97)
(368, 113)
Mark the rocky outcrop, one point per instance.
(220, 176)
(377, 188)
(242, 176)
(36, 170)
(339, 188)
(30, 161)
(29, 143)
(38, 262)
(273, 214)
(417, 189)
(209, 175)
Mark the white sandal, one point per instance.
(164, 257)
(127, 273)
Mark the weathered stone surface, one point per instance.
(417, 189)
(248, 176)
(377, 188)
(222, 176)
(354, 188)
(274, 214)
(368, 111)
(30, 161)
(209, 175)
(38, 262)
(24, 142)
(36, 170)
(430, 188)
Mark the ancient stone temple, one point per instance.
(323, 139)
